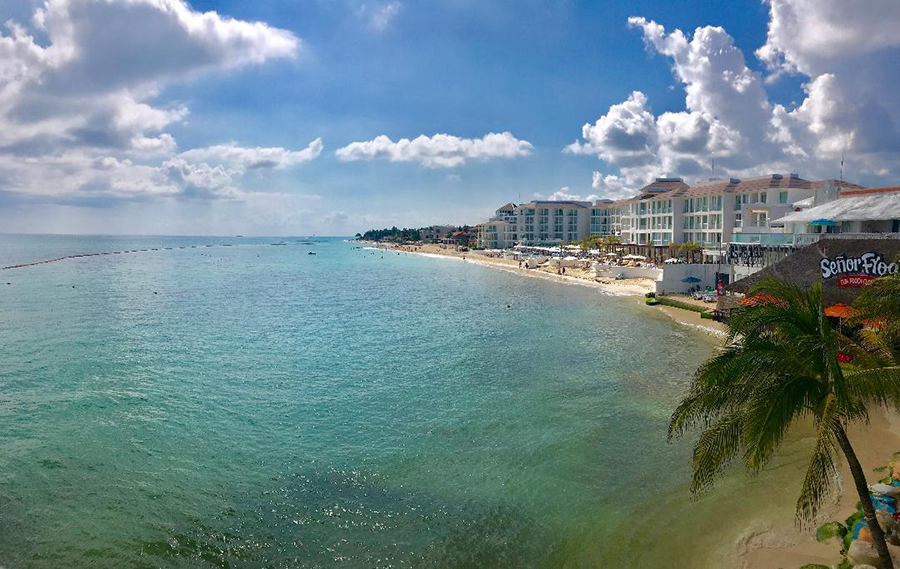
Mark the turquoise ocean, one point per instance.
(227, 402)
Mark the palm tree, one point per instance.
(610, 242)
(780, 365)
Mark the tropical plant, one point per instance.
(610, 242)
(877, 310)
(781, 365)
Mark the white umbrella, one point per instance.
(635, 257)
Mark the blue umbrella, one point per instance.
(691, 280)
(822, 222)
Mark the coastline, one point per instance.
(769, 544)
(636, 287)
(629, 287)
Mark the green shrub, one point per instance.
(851, 521)
(848, 539)
(829, 531)
(678, 304)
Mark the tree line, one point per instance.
(392, 234)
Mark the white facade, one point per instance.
(667, 211)
(537, 223)
(834, 212)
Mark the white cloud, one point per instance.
(564, 194)
(625, 136)
(808, 36)
(438, 151)
(253, 158)
(78, 89)
(381, 17)
(849, 105)
(613, 187)
(201, 180)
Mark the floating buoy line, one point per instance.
(127, 251)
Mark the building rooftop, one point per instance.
(675, 187)
(854, 205)
(535, 203)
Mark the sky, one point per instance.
(331, 117)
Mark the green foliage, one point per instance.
(847, 540)
(392, 234)
(853, 518)
(780, 366)
(880, 469)
(829, 531)
(845, 563)
(666, 301)
(815, 566)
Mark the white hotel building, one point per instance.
(666, 211)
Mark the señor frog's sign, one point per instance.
(857, 271)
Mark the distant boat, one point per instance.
(311, 253)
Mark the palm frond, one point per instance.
(715, 448)
(821, 475)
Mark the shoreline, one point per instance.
(769, 544)
(636, 287)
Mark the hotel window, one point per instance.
(737, 220)
(762, 197)
(782, 197)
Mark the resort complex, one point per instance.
(713, 214)
(682, 237)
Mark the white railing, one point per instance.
(801, 239)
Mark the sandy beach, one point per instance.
(636, 287)
(784, 546)
(625, 287)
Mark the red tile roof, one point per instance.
(864, 191)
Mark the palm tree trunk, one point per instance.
(859, 479)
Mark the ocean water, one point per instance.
(254, 405)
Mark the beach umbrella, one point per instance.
(759, 299)
(840, 310)
(691, 280)
(822, 222)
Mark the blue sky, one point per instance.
(348, 71)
